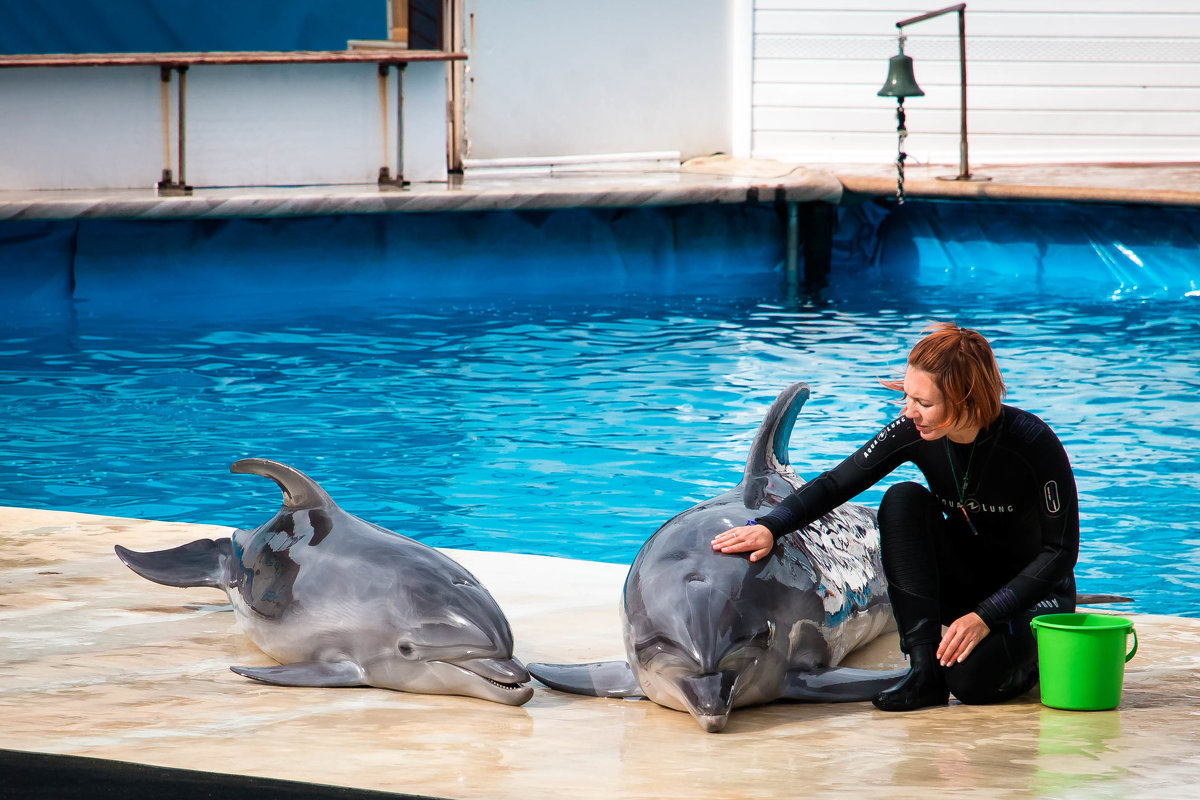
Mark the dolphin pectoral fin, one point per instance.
(199, 563)
(597, 679)
(839, 684)
(308, 673)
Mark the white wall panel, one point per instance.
(247, 125)
(547, 78)
(283, 124)
(991, 73)
(425, 135)
(1113, 99)
(986, 122)
(980, 21)
(1024, 148)
(1073, 80)
(80, 127)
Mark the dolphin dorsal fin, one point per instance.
(299, 490)
(769, 451)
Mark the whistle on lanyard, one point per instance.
(967, 517)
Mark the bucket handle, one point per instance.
(1033, 626)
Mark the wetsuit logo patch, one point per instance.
(864, 455)
(976, 507)
(1050, 495)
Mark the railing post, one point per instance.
(386, 181)
(168, 186)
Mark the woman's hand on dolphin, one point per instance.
(755, 539)
(960, 639)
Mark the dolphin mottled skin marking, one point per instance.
(707, 632)
(342, 602)
(321, 524)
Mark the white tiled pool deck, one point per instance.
(95, 661)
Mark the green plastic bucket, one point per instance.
(1081, 659)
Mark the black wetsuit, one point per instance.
(1010, 557)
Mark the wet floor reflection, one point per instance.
(1077, 750)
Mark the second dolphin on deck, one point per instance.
(343, 602)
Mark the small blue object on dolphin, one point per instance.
(707, 632)
(339, 601)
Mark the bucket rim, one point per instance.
(1070, 622)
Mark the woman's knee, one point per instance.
(905, 496)
(906, 506)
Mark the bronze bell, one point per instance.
(900, 80)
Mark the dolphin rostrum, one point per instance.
(339, 601)
(707, 632)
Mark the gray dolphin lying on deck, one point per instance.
(342, 602)
(707, 632)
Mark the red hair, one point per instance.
(964, 369)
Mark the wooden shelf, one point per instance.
(383, 55)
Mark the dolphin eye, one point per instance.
(763, 638)
(648, 649)
(743, 648)
(760, 639)
(407, 650)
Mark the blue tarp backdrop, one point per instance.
(203, 265)
(132, 26)
(1062, 251)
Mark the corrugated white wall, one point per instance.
(1061, 80)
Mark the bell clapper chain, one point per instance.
(901, 135)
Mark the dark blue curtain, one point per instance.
(130, 26)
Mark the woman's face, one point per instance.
(925, 406)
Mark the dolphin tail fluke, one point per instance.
(839, 684)
(299, 490)
(200, 563)
(1100, 599)
(597, 679)
(322, 674)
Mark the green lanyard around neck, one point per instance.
(961, 488)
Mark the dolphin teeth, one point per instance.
(499, 684)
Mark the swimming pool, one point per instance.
(572, 417)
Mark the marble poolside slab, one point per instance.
(97, 662)
(540, 189)
(706, 179)
(1166, 184)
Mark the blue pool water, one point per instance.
(572, 419)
